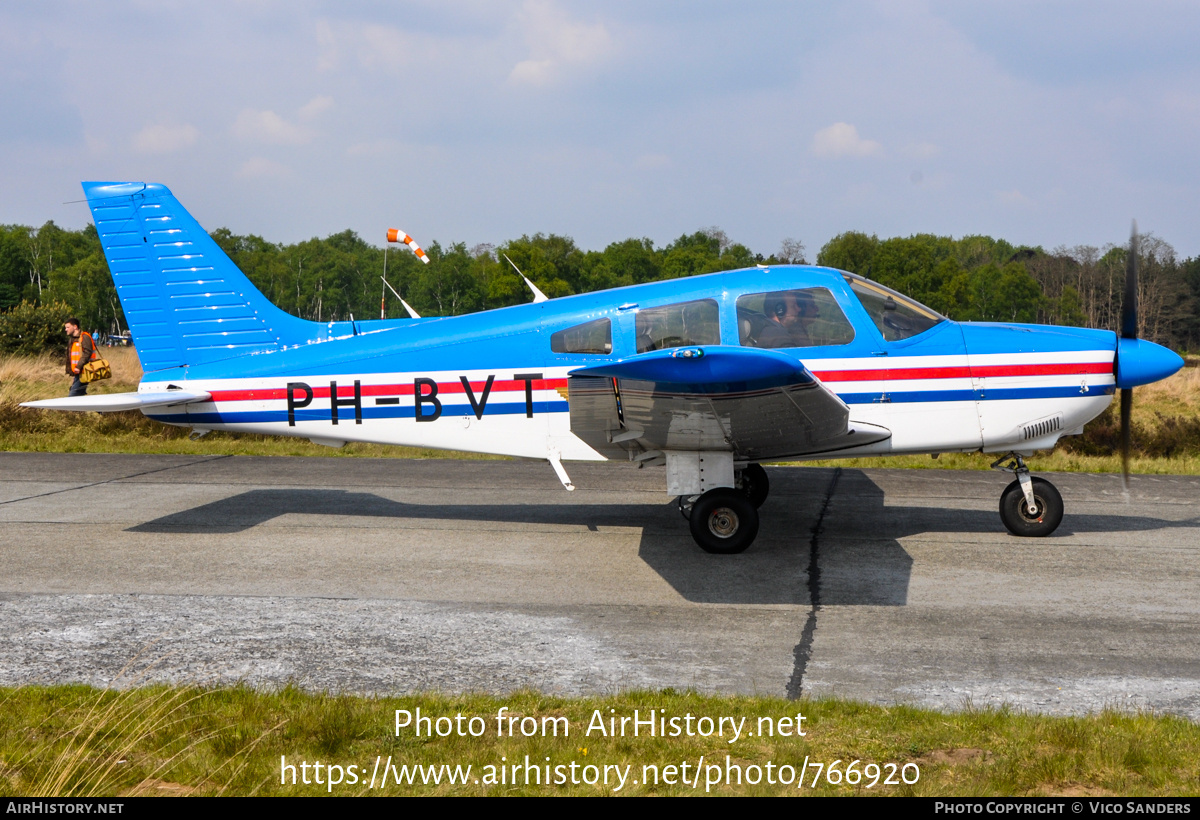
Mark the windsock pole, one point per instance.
(383, 290)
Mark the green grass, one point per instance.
(72, 740)
(1059, 460)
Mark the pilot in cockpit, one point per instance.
(789, 314)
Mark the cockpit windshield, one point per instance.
(896, 316)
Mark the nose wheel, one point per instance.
(1029, 507)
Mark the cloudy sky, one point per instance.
(1040, 122)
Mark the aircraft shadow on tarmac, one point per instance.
(826, 535)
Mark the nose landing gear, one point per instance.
(1029, 507)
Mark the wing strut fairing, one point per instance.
(758, 404)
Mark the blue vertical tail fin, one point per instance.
(185, 301)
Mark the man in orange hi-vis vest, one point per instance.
(82, 350)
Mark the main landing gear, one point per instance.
(1030, 507)
(724, 521)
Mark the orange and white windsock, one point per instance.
(397, 235)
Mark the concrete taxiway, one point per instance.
(388, 576)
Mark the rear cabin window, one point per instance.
(687, 323)
(805, 317)
(590, 338)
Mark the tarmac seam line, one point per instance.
(114, 480)
(803, 651)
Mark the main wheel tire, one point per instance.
(1014, 511)
(753, 482)
(723, 521)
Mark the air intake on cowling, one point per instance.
(1041, 427)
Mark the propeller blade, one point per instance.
(1126, 437)
(1129, 308)
(1129, 326)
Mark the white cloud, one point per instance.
(327, 50)
(165, 139)
(557, 44)
(386, 47)
(532, 72)
(268, 128)
(315, 107)
(842, 140)
(410, 58)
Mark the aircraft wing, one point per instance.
(113, 402)
(759, 404)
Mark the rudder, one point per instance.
(185, 301)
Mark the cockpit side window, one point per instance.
(687, 323)
(590, 338)
(805, 317)
(896, 316)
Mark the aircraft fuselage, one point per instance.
(490, 382)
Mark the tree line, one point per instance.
(48, 273)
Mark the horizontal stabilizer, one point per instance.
(114, 402)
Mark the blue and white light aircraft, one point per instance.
(709, 376)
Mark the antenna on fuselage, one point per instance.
(538, 296)
(407, 306)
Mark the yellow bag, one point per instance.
(94, 371)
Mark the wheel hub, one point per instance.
(723, 522)
(1036, 517)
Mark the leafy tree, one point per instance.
(630, 262)
(1002, 294)
(973, 251)
(446, 286)
(88, 287)
(30, 329)
(852, 251)
(691, 255)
